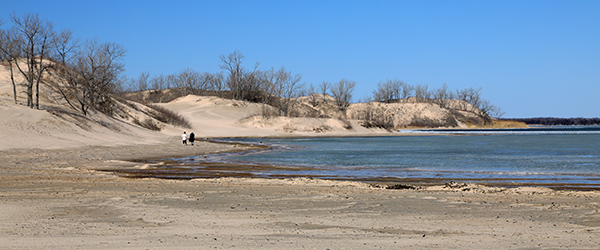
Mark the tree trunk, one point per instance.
(12, 80)
(29, 95)
(37, 94)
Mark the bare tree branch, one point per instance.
(9, 51)
(94, 75)
(65, 46)
(342, 92)
(37, 38)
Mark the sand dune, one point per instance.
(54, 193)
(57, 125)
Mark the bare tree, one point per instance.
(251, 88)
(157, 82)
(93, 76)
(171, 81)
(36, 38)
(324, 87)
(188, 81)
(65, 46)
(389, 91)
(233, 65)
(479, 105)
(443, 96)
(471, 96)
(407, 90)
(490, 110)
(422, 92)
(287, 87)
(216, 83)
(342, 93)
(312, 96)
(142, 81)
(244, 85)
(205, 81)
(366, 99)
(382, 93)
(9, 51)
(269, 87)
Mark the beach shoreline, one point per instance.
(56, 198)
(202, 167)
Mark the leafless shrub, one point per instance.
(322, 128)
(375, 115)
(269, 111)
(148, 123)
(168, 116)
(345, 124)
(376, 118)
(400, 186)
(289, 128)
(426, 122)
(314, 113)
(130, 104)
(313, 97)
(378, 123)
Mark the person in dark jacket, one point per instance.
(192, 138)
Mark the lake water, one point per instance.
(567, 157)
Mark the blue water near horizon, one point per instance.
(546, 155)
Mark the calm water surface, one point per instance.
(538, 156)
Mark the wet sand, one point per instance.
(192, 167)
(58, 199)
(202, 170)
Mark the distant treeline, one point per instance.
(87, 75)
(559, 121)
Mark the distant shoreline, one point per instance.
(553, 121)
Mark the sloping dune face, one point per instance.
(57, 125)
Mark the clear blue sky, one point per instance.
(532, 58)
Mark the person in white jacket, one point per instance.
(184, 138)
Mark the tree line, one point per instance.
(91, 73)
(552, 121)
(91, 70)
(276, 87)
(390, 91)
(279, 88)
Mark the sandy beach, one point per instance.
(55, 199)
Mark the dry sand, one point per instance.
(53, 199)
(52, 195)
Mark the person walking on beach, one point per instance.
(184, 138)
(192, 138)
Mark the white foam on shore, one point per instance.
(524, 131)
